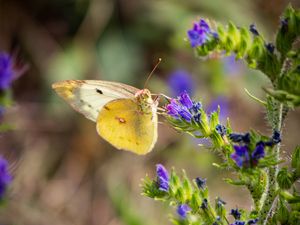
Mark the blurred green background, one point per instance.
(64, 173)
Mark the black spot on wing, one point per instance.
(99, 91)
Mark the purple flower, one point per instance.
(258, 153)
(185, 114)
(177, 111)
(173, 108)
(284, 24)
(6, 71)
(180, 81)
(235, 213)
(221, 129)
(276, 137)
(200, 33)
(162, 178)
(196, 107)
(10, 70)
(237, 222)
(252, 221)
(274, 140)
(220, 202)
(204, 204)
(182, 210)
(185, 100)
(201, 183)
(270, 47)
(5, 177)
(241, 156)
(253, 29)
(184, 108)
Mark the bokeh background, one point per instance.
(64, 173)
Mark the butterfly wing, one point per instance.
(89, 96)
(121, 123)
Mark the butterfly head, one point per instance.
(145, 100)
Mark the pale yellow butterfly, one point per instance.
(125, 116)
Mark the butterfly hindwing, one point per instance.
(89, 96)
(121, 123)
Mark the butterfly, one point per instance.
(125, 116)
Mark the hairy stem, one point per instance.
(270, 201)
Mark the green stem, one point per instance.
(270, 201)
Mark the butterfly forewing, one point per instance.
(89, 96)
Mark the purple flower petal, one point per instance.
(182, 210)
(201, 183)
(241, 156)
(235, 213)
(185, 100)
(173, 109)
(253, 29)
(221, 129)
(258, 153)
(162, 178)
(204, 25)
(185, 114)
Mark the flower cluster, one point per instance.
(254, 157)
(244, 155)
(191, 200)
(200, 34)
(5, 177)
(183, 108)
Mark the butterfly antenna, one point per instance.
(149, 76)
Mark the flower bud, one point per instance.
(180, 195)
(195, 200)
(257, 49)
(220, 207)
(245, 42)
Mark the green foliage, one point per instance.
(296, 162)
(255, 158)
(284, 179)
